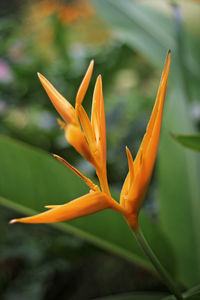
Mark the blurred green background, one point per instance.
(94, 257)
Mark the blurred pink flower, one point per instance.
(5, 72)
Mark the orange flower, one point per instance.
(140, 170)
(72, 127)
(89, 139)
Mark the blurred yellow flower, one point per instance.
(67, 12)
(88, 137)
(73, 11)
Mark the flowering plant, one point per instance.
(88, 137)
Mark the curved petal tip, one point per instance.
(12, 221)
(40, 76)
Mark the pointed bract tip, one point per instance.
(99, 80)
(129, 155)
(41, 77)
(57, 157)
(50, 206)
(127, 150)
(39, 74)
(62, 124)
(169, 51)
(12, 221)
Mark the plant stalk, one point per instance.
(156, 263)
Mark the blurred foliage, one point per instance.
(44, 263)
(58, 39)
(41, 41)
(189, 141)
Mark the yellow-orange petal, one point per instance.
(151, 140)
(87, 128)
(129, 179)
(99, 128)
(130, 164)
(98, 118)
(76, 138)
(95, 113)
(63, 107)
(124, 191)
(62, 124)
(82, 206)
(158, 107)
(89, 182)
(137, 192)
(84, 84)
(145, 159)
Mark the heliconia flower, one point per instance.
(93, 133)
(71, 125)
(139, 175)
(88, 204)
(91, 141)
(83, 206)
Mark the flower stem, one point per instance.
(157, 265)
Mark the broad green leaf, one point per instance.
(142, 27)
(135, 296)
(31, 179)
(191, 141)
(179, 189)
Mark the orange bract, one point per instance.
(89, 139)
(72, 127)
(91, 185)
(141, 169)
(83, 206)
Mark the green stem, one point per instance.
(157, 265)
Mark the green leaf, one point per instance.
(142, 27)
(31, 179)
(135, 296)
(191, 141)
(179, 189)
